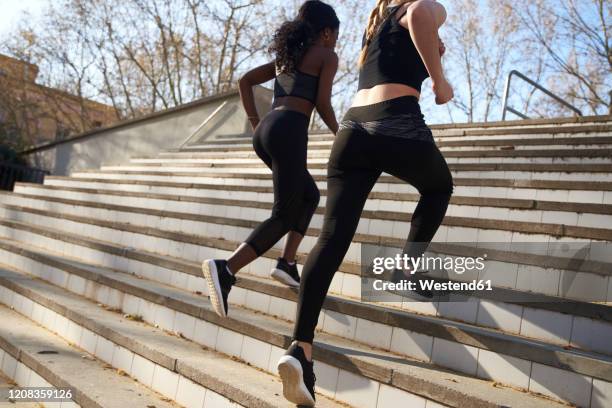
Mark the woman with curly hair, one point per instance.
(304, 68)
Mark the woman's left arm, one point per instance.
(256, 76)
(423, 19)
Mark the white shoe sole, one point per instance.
(209, 270)
(294, 389)
(284, 277)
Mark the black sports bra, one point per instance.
(392, 56)
(297, 83)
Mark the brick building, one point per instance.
(41, 114)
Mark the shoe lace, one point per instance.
(310, 379)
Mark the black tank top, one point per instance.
(392, 56)
(297, 83)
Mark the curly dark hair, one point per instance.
(293, 38)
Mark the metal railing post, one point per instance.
(506, 92)
(506, 108)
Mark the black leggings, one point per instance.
(392, 137)
(281, 141)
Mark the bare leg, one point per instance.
(291, 245)
(241, 257)
(307, 347)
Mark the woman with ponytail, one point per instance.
(303, 68)
(383, 131)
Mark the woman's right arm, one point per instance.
(256, 76)
(324, 93)
(424, 18)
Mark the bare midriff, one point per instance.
(294, 104)
(383, 92)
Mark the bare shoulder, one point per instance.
(319, 57)
(330, 57)
(324, 54)
(424, 8)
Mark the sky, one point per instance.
(11, 9)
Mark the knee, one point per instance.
(446, 187)
(291, 216)
(449, 188)
(441, 192)
(286, 215)
(310, 202)
(312, 194)
(313, 198)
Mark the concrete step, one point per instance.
(591, 317)
(482, 142)
(318, 160)
(527, 267)
(375, 226)
(340, 362)
(580, 147)
(540, 364)
(33, 356)
(572, 192)
(322, 150)
(455, 147)
(496, 126)
(564, 322)
(7, 384)
(452, 135)
(553, 273)
(516, 172)
(179, 369)
(460, 225)
(573, 214)
(518, 272)
(447, 134)
(482, 134)
(458, 344)
(528, 123)
(478, 168)
(320, 156)
(376, 222)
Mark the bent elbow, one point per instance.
(244, 82)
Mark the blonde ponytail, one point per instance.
(376, 18)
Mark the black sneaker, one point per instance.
(298, 376)
(285, 273)
(220, 282)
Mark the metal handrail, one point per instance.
(208, 119)
(505, 106)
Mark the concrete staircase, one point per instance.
(105, 266)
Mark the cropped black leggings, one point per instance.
(391, 137)
(281, 141)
